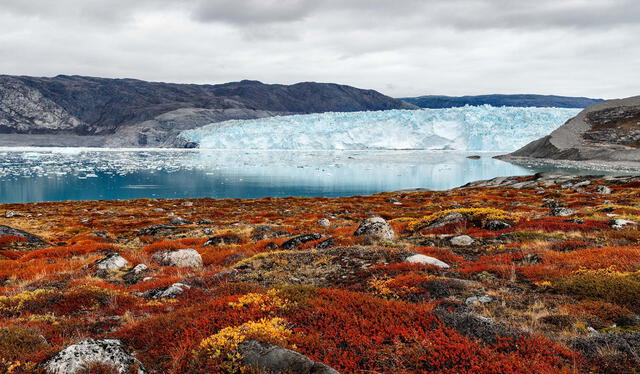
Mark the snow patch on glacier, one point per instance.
(469, 128)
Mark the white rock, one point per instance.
(462, 241)
(375, 227)
(77, 357)
(426, 260)
(324, 222)
(181, 258)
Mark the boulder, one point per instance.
(324, 222)
(619, 224)
(179, 221)
(603, 190)
(497, 225)
(136, 274)
(110, 352)
(223, 239)
(376, 228)
(462, 241)
(110, 263)
(11, 214)
(10, 231)
(426, 260)
(181, 258)
(561, 212)
(170, 292)
(451, 218)
(300, 239)
(274, 359)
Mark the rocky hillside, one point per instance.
(129, 112)
(608, 131)
(436, 101)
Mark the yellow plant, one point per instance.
(380, 287)
(269, 302)
(226, 341)
(483, 215)
(16, 303)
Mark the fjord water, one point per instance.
(328, 154)
(65, 174)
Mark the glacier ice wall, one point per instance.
(470, 128)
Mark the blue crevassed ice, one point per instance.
(469, 128)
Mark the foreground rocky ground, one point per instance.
(515, 275)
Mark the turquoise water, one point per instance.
(37, 174)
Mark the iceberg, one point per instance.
(469, 128)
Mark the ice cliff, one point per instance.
(469, 128)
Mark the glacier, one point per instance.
(469, 128)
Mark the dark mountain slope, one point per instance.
(502, 100)
(134, 112)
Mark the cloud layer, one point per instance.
(401, 47)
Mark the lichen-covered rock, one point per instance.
(426, 260)
(300, 239)
(181, 258)
(110, 263)
(620, 224)
(170, 292)
(274, 359)
(497, 225)
(561, 212)
(76, 358)
(324, 222)
(136, 274)
(179, 221)
(156, 230)
(462, 241)
(376, 228)
(10, 231)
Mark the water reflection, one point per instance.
(63, 174)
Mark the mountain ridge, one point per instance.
(532, 100)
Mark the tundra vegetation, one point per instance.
(528, 292)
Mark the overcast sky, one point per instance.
(399, 47)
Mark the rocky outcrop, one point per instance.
(181, 258)
(375, 228)
(10, 231)
(132, 113)
(607, 131)
(274, 359)
(76, 358)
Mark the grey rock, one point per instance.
(179, 221)
(478, 300)
(603, 190)
(561, 212)
(426, 260)
(170, 292)
(462, 241)
(619, 224)
(10, 231)
(324, 222)
(376, 228)
(11, 214)
(497, 225)
(451, 218)
(299, 240)
(110, 263)
(181, 258)
(156, 230)
(77, 357)
(274, 359)
(136, 274)
(224, 239)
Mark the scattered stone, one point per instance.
(497, 225)
(300, 239)
(620, 224)
(204, 221)
(11, 214)
(75, 358)
(156, 229)
(10, 231)
(327, 243)
(426, 260)
(274, 359)
(551, 203)
(375, 227)
(224, 239)
(85, 220)
(462, 241)
(110, 263)
(561, 212)
(324, 222)
(478, 300)
(181, 258)
(136, 274)
(179, 221)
